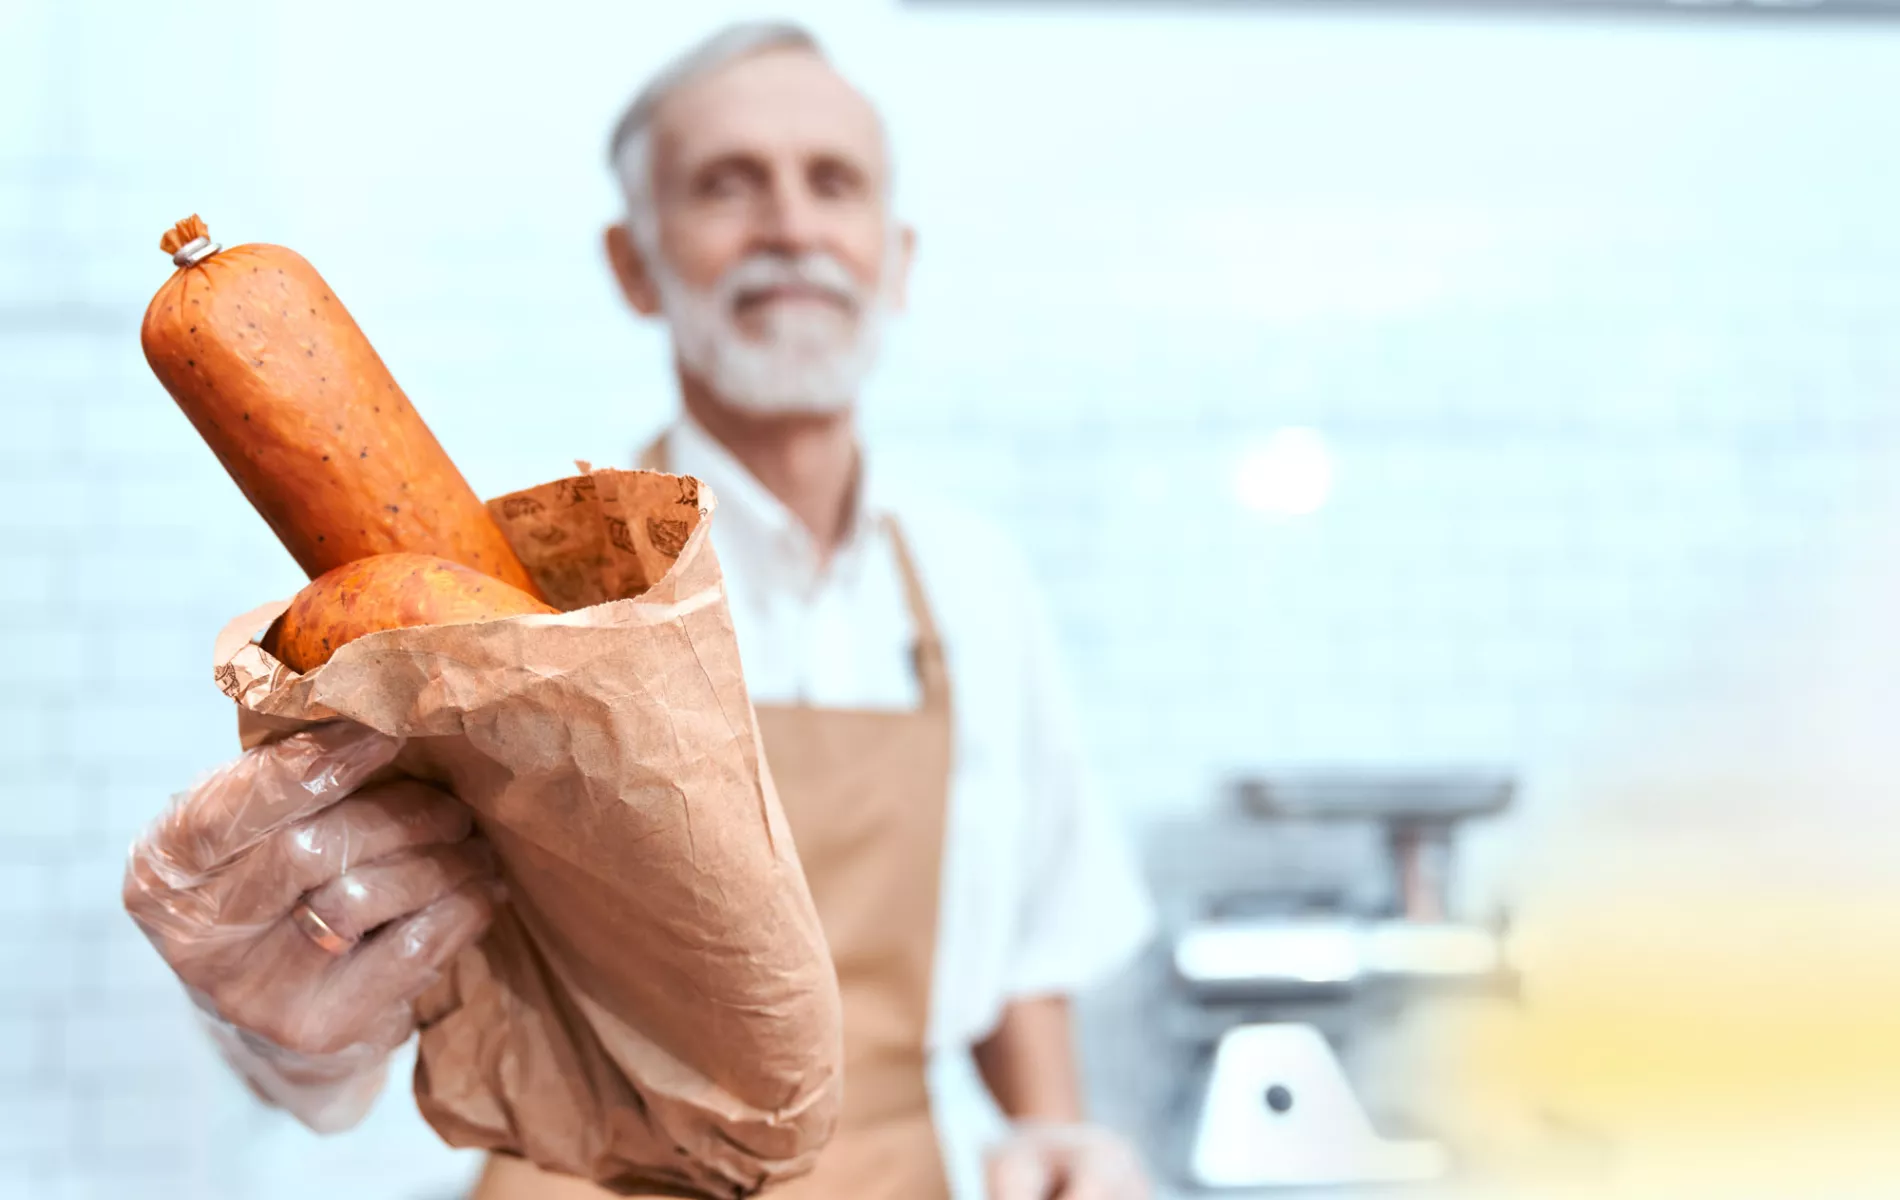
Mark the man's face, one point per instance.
(776, 256)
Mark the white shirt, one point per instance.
(1040, 894)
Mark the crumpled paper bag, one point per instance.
(656, 1009)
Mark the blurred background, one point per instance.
(1379, 389)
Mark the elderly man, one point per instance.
(910, 708)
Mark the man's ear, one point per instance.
(906, 251)
(636, 284)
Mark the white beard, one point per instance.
(809, 359)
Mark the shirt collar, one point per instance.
(759, 516)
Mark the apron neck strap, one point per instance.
(653, 456)
(933, 676)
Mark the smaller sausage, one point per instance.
(387, 591)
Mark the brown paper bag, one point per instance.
(656, 1008)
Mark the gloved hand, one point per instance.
(1048, 1161)
(306, 897)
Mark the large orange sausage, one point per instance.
(267, 364)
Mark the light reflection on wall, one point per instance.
(1289, 474)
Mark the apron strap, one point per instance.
(933, 675)
(653, 457)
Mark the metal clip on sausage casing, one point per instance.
(195, 251)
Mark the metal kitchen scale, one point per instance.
(1303, 920)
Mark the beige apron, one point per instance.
(866, 795)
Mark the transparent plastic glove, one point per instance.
(306, 896)
(1049, 1161)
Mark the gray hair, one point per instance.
(630, 149)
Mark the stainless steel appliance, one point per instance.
(1301, 920)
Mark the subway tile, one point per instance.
(28, 888)
(33, 1127)
(98, 1046)
(90, 883)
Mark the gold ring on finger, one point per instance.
(318, 930)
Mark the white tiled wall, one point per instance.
(1598, 317)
